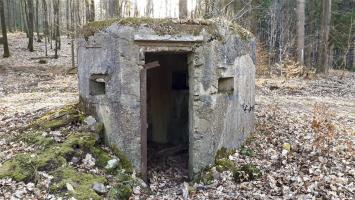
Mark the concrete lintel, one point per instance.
(167, 48)
(167, 38)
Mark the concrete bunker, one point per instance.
(181, 83)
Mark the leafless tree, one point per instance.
(300, 30)
(3, 28)
(323, 66)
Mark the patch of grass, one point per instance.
(124, 163)
(224, 153)
(37, 138)
(123, 186)
(246, 172)
(23, 166)
(42, 61)
(205, 176)
(224, 165)
(54, 157)
(101, 156)
(19, 168)
(246, 151)
(82, 183)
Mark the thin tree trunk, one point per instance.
(149, 9)
(30, 25)
(56, 25)
(92, 11)
(300, 30)
(37, 22)
(67, 11)
(45, 24)
(182, 9)
(8, 21)
(87, 10)
(323, 66)
(25, 16)
(3, 28)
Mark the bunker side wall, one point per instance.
(112, 55)
(221, 117)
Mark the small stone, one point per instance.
(56, 133)
(69, 187)
(142, 183)
(99, 188)
(284, 152)
(74, 160)
(111, 164)
(90, 121)
(30, 186)
(215, 173)
(137, 190)
(19, 193)
(89, 161)
(185, 191)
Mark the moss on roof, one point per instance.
(167, 26)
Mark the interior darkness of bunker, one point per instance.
(167, 112)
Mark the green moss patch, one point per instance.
(37, 138)
(246, 172)
(19, 168)
(23, 166)
(54, 158)
(205, 176)
(246, 151)
(124, 163)
(160, 26)
(123, 186)
(59, 118)
(81, 182)
(224, 153)
(168, 26)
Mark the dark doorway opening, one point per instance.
(167, 108)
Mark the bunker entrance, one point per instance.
(167, 113)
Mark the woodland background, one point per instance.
(303, 144)
(314, 33)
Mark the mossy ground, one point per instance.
(59, 118)
(222, 163)
(81, 182)
(54, 158)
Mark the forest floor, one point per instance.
(303, 143)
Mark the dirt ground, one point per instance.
(303, 143)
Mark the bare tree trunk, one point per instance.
(300, 30)
(25, 16)
(37, 22)
(56, 25)
(149, 9)
(87, 11)
(3, 28)
(8, 21)
(45, 24)
(323, 66)
(67, 10)
(30, 25)
(182, 9)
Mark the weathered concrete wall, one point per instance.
(221, 119)
(216, 118)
